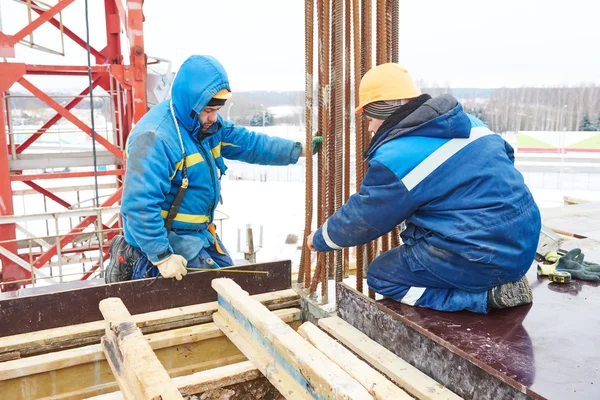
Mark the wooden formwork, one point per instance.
(55, 365)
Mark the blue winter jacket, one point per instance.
(154, 163)
(466, 207)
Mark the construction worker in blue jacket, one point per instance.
(472, 226)
(175, 160)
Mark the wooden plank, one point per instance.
(377, 384)
(83, 355)
(28, 344)
(217, 378)
(94, 378)
(202, 382)
(570, 200)
(281, 379)
(71, 307)
(10, 355)
(408, 377)
(205, 380)
(136, 368)
(295, 367)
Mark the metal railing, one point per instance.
(89, 247)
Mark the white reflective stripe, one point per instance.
(440, 156)
(327, 239)
(413, 295)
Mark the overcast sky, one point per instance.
(465, 43)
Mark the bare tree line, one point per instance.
(538, 109)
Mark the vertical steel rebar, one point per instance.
(395, 237)
(395, 30)
(347, 115)
(381, 40)
(317, 277)
(389, 11)
(358, 127)
(367, 58)
(328, 118)
(385, 242)
(304, 271)
(337, 96)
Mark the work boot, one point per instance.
(122, 260)
(510, 294)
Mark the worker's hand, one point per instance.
(317, 141)
(573, 263)
(172, 267)
(309, 242)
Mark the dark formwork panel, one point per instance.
(76, 303)
(545, 350)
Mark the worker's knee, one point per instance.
(388, 268)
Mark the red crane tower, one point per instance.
(26, 256)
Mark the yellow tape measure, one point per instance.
(560, 277)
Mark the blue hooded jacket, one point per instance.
(467, 210)
(154, 163)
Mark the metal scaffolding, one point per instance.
(26, 253)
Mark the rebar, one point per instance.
(358, 127)
(389, 39)
(304, 271)
(329, 122)
(347, 114)
(337, 71)
(381, 26)
(395, 237)
(367, 58)
(395, 30)
(385, 242)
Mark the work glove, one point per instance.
(172, 267)
(573, 263)
(317, 140)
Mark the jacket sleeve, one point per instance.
(238, 143)
(509, 151)
(147, 180)
(382, 203)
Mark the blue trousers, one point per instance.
(396, 274)
(145, 269)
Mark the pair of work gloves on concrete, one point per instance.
(317, 141)
(172, 267)
(574, 263)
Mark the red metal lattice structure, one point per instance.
(125, 82)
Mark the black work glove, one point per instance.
(574, 263)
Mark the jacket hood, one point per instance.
(439, 117)
(198, 80)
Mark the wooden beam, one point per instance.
(136, 368)
(94, 378)
(210, 379)
(292, 365)
(30, 312)
(28, 344)
(377, 384)
(89, 354)
(402, 373)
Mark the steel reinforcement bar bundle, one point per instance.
(343, 33)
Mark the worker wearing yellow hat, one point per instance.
(472, 226)
(175, 160)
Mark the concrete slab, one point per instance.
(545, 350)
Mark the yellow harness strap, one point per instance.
(213, 231)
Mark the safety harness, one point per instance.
(174, 209)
